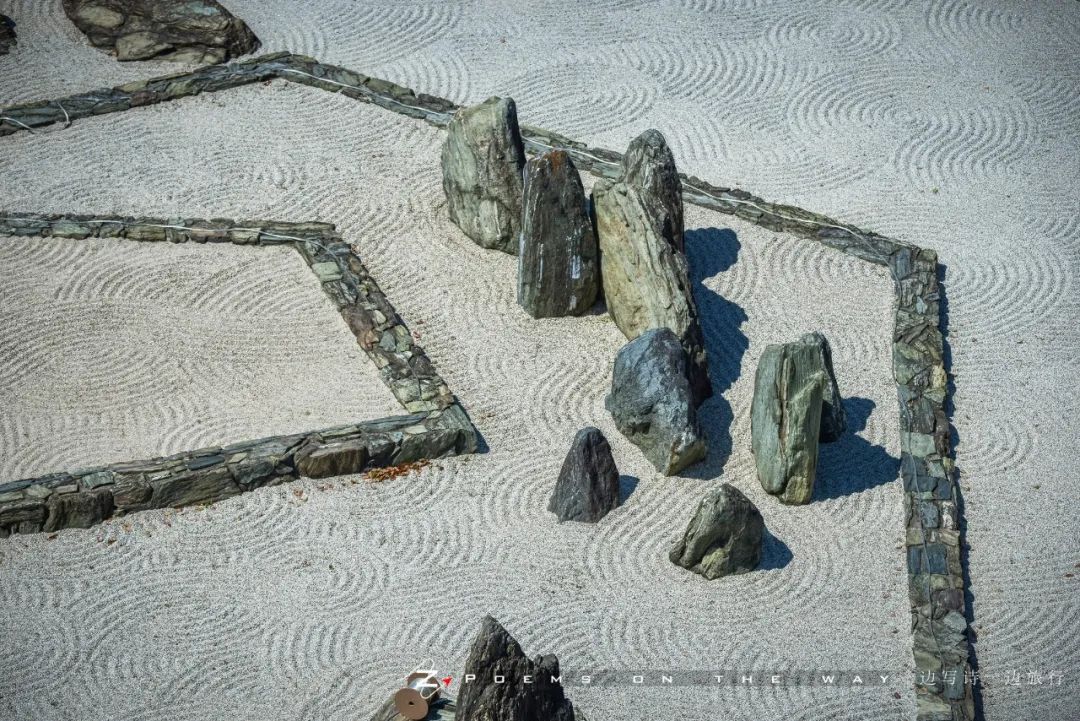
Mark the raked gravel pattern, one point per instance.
(950, 124)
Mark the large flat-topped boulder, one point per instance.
(197, 31)
(558, 258)
(495, 654)
(646, 281)
(652, 402)
(724, 536)
(785, 420)
(482, 162)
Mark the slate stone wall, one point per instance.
(934, 534)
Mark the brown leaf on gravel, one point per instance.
(391, 472)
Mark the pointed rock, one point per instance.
(833, 420)
(588, 484)
(494, 653)
(652, 403)
(646, 281)
(482, 161)
(558, 259)
(785, 420)
(724, 536)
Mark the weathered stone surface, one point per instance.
(494, 653)
(198, 31)
(785, 420)
(7, 34)
(652, 403)
(482, 162)
(724, 536)
(646, 280)
(588, 483)
(208, 485)
(833, 420)
(335, 459)
(558, 258)
(78, 510)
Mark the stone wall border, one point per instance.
(934, 537)
(435, 424)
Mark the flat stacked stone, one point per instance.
(653, 404)
(588, 484)
(639, 223)
(196, 31)
(785, 420)
(482, 164)
(724, 536)
(558, 258)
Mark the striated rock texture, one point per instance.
(495, 652)
(482, 162)
(197, 31)
(833, 420)
(588, 484)
(639, 225)
(724, 536)
(785, 420)
(7, 34)
(558, 258)
(652, 402)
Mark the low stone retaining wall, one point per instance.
(435, 426)
(934, 536)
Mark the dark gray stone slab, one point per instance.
(588, 484)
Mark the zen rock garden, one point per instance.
(625, 245)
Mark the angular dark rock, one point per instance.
(482, 162)
(558, 258)
(78, 510)
(652, 402)
(785, 420)
(494, 653)
(724, 536)
(646, 281)
(197, 31)
(833, 420)
(7, 34)
(334, 459)
(588, 484)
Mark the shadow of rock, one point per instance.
(710, 251)
(627, 485)
(774, 553)
(852, 464)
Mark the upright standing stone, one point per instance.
(833, 420)
(724, 536)
(558, 259)
(496, 653)
(199, 31)
(652, 403)
(639, 223)
(482, 161)
(785, 420)
(588, 484)
(7, 34)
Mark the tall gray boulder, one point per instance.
(199, 31)
(494, 653)
(724, 536)
(558, 258)
(833, 420)
(646, 281)
(588, 483)
(652, 402)
(482, 162)
(785, 420)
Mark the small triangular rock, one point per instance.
(558, 259)
(588, 484)
(494, 653)
(724, 536)
(482, 162)
(833, 420)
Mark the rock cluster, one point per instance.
(482, 163)
(639, 224)
(494, 653)
(652, 402)
(7, 34)
(588, 484)
(724, 536)
(197, 31)
(558, 258)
